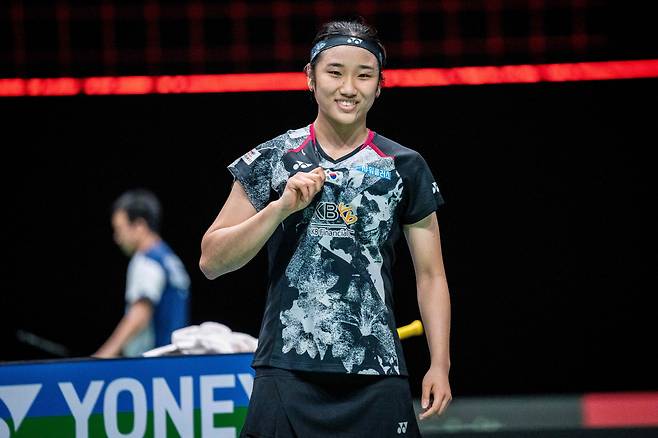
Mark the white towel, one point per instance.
(208, 338)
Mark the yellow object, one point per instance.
(409, 330)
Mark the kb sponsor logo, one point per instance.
(330, 212)
(332, 220)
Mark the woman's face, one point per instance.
(346, 84)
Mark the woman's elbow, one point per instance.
(213, 267)
(215, 260)
(208, 264)
(207, 269)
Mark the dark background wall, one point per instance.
(548, 227)
(155, 37)
(546, 230)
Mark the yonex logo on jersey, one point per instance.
(402, 427)
(301, 165)
(374, 171)
(435, 188)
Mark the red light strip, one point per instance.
(622, 409)
(421, 77)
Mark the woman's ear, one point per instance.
(379, 90)
(309, 77)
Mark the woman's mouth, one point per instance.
(346, 104)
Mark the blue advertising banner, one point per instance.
(189, 396)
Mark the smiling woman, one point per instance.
(345, 85)
(345, 76)
(330, 200)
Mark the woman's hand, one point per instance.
(300, 190)
(436, 392)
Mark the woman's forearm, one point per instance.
(226, 249)
(434, 304)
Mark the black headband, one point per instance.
(345, 40)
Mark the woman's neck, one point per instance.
(339, 138)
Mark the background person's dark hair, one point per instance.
(356, 28)
(140, 203)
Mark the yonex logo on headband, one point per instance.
(345, 40)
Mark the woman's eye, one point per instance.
(365, 75)
(334, 73)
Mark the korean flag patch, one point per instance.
(334, 176)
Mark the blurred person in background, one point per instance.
(157, 284)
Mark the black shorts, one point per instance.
(307, 405)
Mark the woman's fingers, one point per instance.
(307, 184)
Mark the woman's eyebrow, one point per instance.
(361, 66)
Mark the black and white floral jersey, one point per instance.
(329, 304)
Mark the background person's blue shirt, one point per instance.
(159, 276)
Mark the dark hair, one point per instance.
(140, 203)
(356, 28)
